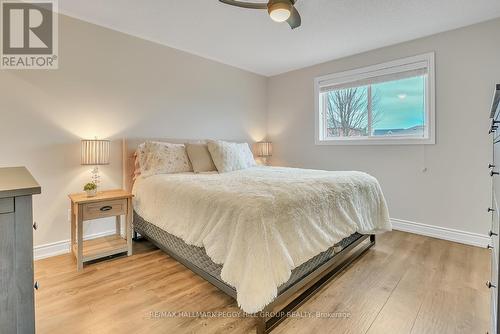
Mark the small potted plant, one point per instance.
(90, 189)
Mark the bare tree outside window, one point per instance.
(348, 112)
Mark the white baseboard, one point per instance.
(449, 234)
(63, 247)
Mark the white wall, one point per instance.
(113, 85)
(454, 192)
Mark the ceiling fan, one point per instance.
(279, 10)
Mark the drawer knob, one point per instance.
(492, 233)
(35, 226)
(491, 210)
(492, 173)
(106, 208)
(37, 285)
(489, 285)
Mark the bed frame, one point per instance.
(289, 299)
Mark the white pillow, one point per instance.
(247, 154)
(230, 156)
(163, 158)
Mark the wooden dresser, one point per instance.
(495, 220)
(17, 307)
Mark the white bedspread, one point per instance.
(262, 222)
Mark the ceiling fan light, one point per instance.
(280, 12)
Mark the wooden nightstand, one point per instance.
(110, 203)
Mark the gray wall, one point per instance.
(453, 192)
(113, 85)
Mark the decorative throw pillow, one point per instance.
(139, 160)
(247, 154)
(163, 158)
(230, 156)
(200, 158)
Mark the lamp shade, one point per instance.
(264, 149)
(95, 152)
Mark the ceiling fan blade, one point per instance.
(251, 5)
(294, 20)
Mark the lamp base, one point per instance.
(264, 161)
(96, 178)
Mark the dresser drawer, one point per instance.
(494, 266)
(6, 205)
(495, 220)
(494, 280)
(104, 209)
(494, 256)
(496, 183)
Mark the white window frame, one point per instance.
(388, 68)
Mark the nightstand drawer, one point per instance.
(104, 209)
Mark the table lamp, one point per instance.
(264, 150)
(95, 152)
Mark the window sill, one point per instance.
(376, 141)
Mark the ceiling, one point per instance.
(250, 40)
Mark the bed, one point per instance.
(263, 235)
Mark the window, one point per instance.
(390, 103)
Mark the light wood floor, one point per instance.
(405, 284)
